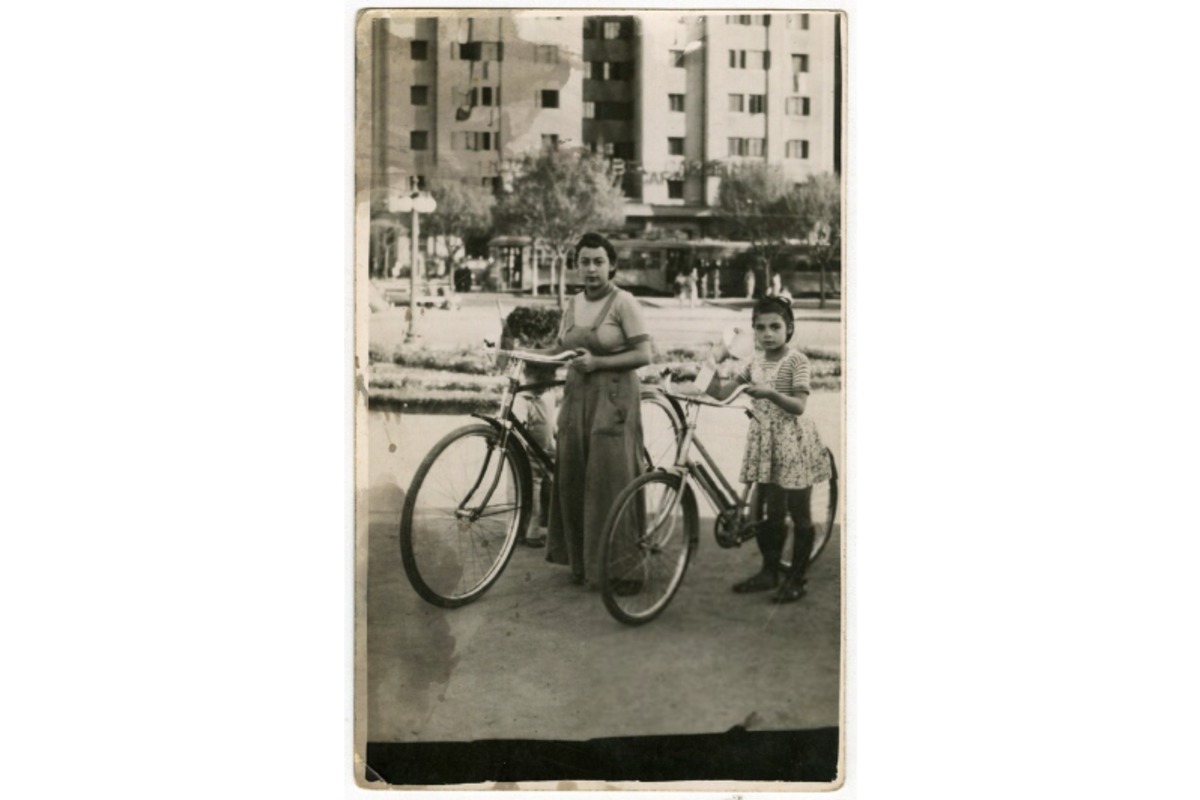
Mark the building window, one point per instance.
(589, 110)
(676, 101)
(419, 95)
(546, 54)
(549, 141)
(474, 140)
(623, 149)
(589, 29)
(747, 147)
(611, 29)
(749, 59)
(798, 106)
(798, 21)
(482, 96)
(419, 50)
(748, 19)
(797, 148)
(675, 145)
(677, 58)
(804, 22)
(737, 102)
(758, 104)
(799, 63)
(547, 98)
(480, 51)
(614, 111)
(611, 70)
(418, 140)
(675, 190)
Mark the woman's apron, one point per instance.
(598, 454)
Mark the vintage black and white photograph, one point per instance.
(600, 517)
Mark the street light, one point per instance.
(417, 204)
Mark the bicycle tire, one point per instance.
(645, 550)
(662, 429)
(451, 559)
(823, 508)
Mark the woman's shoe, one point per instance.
(763, 581)
(790, 591)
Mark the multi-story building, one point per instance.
(669, 98)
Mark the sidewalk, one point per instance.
(670, 326)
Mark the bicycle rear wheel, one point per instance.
(648, 542)
(462, 514)
(661, 428)
(823, 509)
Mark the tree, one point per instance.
(464, 211)
(557, 196)
(753, 200)
(818, 203)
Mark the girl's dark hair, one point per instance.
(596, 240)
(776, 305)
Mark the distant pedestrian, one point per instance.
(778, 289)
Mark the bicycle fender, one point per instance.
(495, 423)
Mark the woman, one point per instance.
(599, 421)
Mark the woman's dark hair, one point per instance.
(776, 305)
(596, 240)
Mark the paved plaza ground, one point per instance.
(539, 658)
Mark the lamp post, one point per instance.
(417, 204)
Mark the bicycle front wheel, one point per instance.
(648, 542)
(466, 505)
(662, 425)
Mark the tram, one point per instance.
(646, 266)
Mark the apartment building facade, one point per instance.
(669, 99)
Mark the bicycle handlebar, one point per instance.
(536, 358)
(704, 399)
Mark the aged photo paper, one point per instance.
(498, 643)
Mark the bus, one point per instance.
(650, 266)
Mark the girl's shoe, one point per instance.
(764, 581)
(790, 591)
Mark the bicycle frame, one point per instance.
(506, 426)
(705, 473)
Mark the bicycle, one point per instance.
(653, 528)
(471, 498)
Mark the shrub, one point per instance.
(532, 327)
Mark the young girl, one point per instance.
(784, 453)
